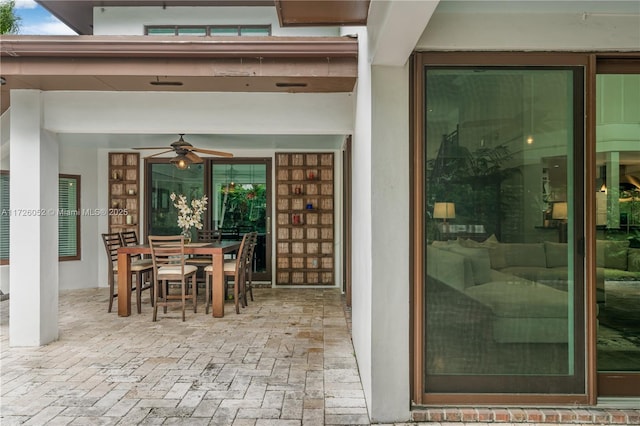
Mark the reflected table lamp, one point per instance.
(559, 212)
(444, 211)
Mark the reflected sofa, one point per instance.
(547, 262)
(523, 285)
(521, 310)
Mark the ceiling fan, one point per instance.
(185, 153)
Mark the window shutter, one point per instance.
(68, 216)
(5, 216)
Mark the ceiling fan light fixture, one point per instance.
(181, 162)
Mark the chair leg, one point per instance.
(243, 290)
(236, 294)
(111, 295)
(184, 297)
(242, 279)
(165, 289)
(207, 292)
(155, 301)
(250, 286)
(194, 293)
(139, 291)
(152, 290)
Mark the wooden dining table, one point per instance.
(216, 250)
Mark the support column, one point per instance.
(390, 386)
(33, 255)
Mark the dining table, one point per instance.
(216, 250)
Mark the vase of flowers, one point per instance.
(189, 215)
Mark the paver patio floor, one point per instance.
(287, 359)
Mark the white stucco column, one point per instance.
(390, 395)
(361, 218)
(33, 255)
(380, 235)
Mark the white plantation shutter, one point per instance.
(5, 216)
(68, 217)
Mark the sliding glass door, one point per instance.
(503, 269)
(618, 229)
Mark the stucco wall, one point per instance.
(199, 113)
(532, 25)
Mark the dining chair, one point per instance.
(112, 242)
(130, 238)
(167, 254)
(233, 268)
(202, 260)
(209, 235)
(205, 236)
(248, 288)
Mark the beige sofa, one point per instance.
(547, 262)
(523, 285)
(522, 311)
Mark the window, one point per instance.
(68, 217)
(4, 217)
(208, 30)
(166, 179)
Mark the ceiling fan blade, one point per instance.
(150, 147)
(159, 153)
(193, 157)
(212, 152)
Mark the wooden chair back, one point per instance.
(237, 272)
(253, 241)
(130, 238)
(209, 235)
(112, 242)
(167, 251)
(243, 252)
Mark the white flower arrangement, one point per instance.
(189, 216)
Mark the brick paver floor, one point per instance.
(287, 359)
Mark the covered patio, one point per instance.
(286, 359)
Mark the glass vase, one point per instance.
(187, 235)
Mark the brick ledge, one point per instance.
(583, 415)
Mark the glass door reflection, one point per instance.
(618, 233)
(240, 203)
